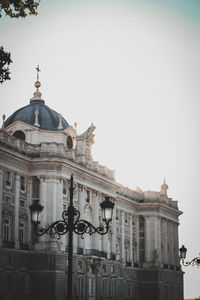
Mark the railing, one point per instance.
(8, 244)
(24, 246)
(165, 266)
(128, 264)
(80, 251)
(112, 256)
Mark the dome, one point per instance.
(39, 115)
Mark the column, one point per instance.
(147, 239)
(123, 236)
(29, 201)
(114, 232)
(176, 245)
(16, 228)
(1, 203)
(59, 210)
(157, 247)
(131, 238)
(95, 220)
(165, 242)
(82, 213)
(43, 201)
(137, 239)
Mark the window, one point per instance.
(8, 178)
(22, 186)
(112, 269)
(6, 230)
(128, 290)
(117, 215)
(126, 219)
(114, 288)
(104, 268)
(90, 287)
(8, 282)
(80, 264)
(8, 199)
(105, 287)
(64, 188)
(36, 187)
(22, 203)
(80, 286)
(19, 134)
(22, 282)
(87, 196)
(21, 233)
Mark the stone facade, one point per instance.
(138, 259)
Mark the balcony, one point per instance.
(8, 244)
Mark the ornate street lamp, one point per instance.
(193, 262)
(70, 223)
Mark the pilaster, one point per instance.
(16, 228)
(137, 238)
(95, 221)
(131, 238)
(123, 236)
(29, 201)
(114, 232)
(82, 213)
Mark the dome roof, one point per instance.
(39, 115)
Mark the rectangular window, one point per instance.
(90, 287)
(80, 286)
(21, 233)
(36, 187)
(8, 178)
(105, 287)
(64, 188)
(87, 196)
(22, 203)
(8, 282)
(114, 288)
(128, 290)
(7, 199)
(22, 185)
(6, 230)
(117, 215)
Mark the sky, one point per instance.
(132, 68)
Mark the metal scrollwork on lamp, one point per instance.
(193, 262)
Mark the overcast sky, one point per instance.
(132, 68)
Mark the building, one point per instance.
(138, 259)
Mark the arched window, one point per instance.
(19, 134)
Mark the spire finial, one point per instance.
(37, 83)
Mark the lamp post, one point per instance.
(193, 262)
(70, 223)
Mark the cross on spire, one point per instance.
(38, 70)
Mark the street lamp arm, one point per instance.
(58, 228)
(193, 262)
(83, 226)
(79, 226)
